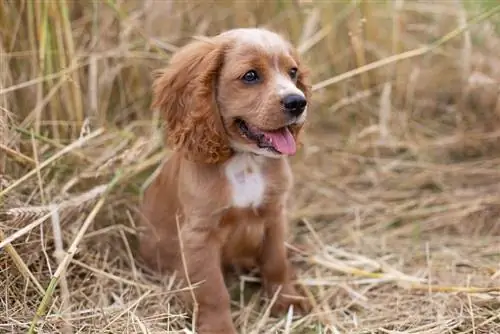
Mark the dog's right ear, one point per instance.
(185, 94)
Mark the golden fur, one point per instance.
(200, 95)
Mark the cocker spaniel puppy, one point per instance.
(233, 105)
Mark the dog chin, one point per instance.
(243, 148)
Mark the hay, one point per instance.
(395, 211)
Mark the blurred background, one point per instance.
(394, 219)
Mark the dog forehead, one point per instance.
(267, 40)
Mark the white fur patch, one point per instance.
(247, 183)
(285, 86)
(268, 40)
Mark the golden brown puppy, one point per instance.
(234, 106)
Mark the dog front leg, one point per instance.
(202, 264)
(276, 270)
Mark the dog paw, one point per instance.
(215, 323)
(216, 329)
(288, 296)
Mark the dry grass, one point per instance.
(395, 217)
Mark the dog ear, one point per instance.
(185, 94)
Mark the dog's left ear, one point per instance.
(185, 93)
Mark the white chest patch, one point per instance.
(247, 183)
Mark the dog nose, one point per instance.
(294, 104)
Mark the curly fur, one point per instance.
(184, 92)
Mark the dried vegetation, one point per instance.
(396, 206)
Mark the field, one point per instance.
(395, 215)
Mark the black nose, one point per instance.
(294, 104)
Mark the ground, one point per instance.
(394, 217)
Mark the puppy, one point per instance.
(233, 106)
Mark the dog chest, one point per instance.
(246, 180)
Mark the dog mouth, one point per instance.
(280, 141)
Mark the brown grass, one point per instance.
(396, 206)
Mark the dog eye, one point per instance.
(250, 77)
(293, 73)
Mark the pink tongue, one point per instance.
(282, 140)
